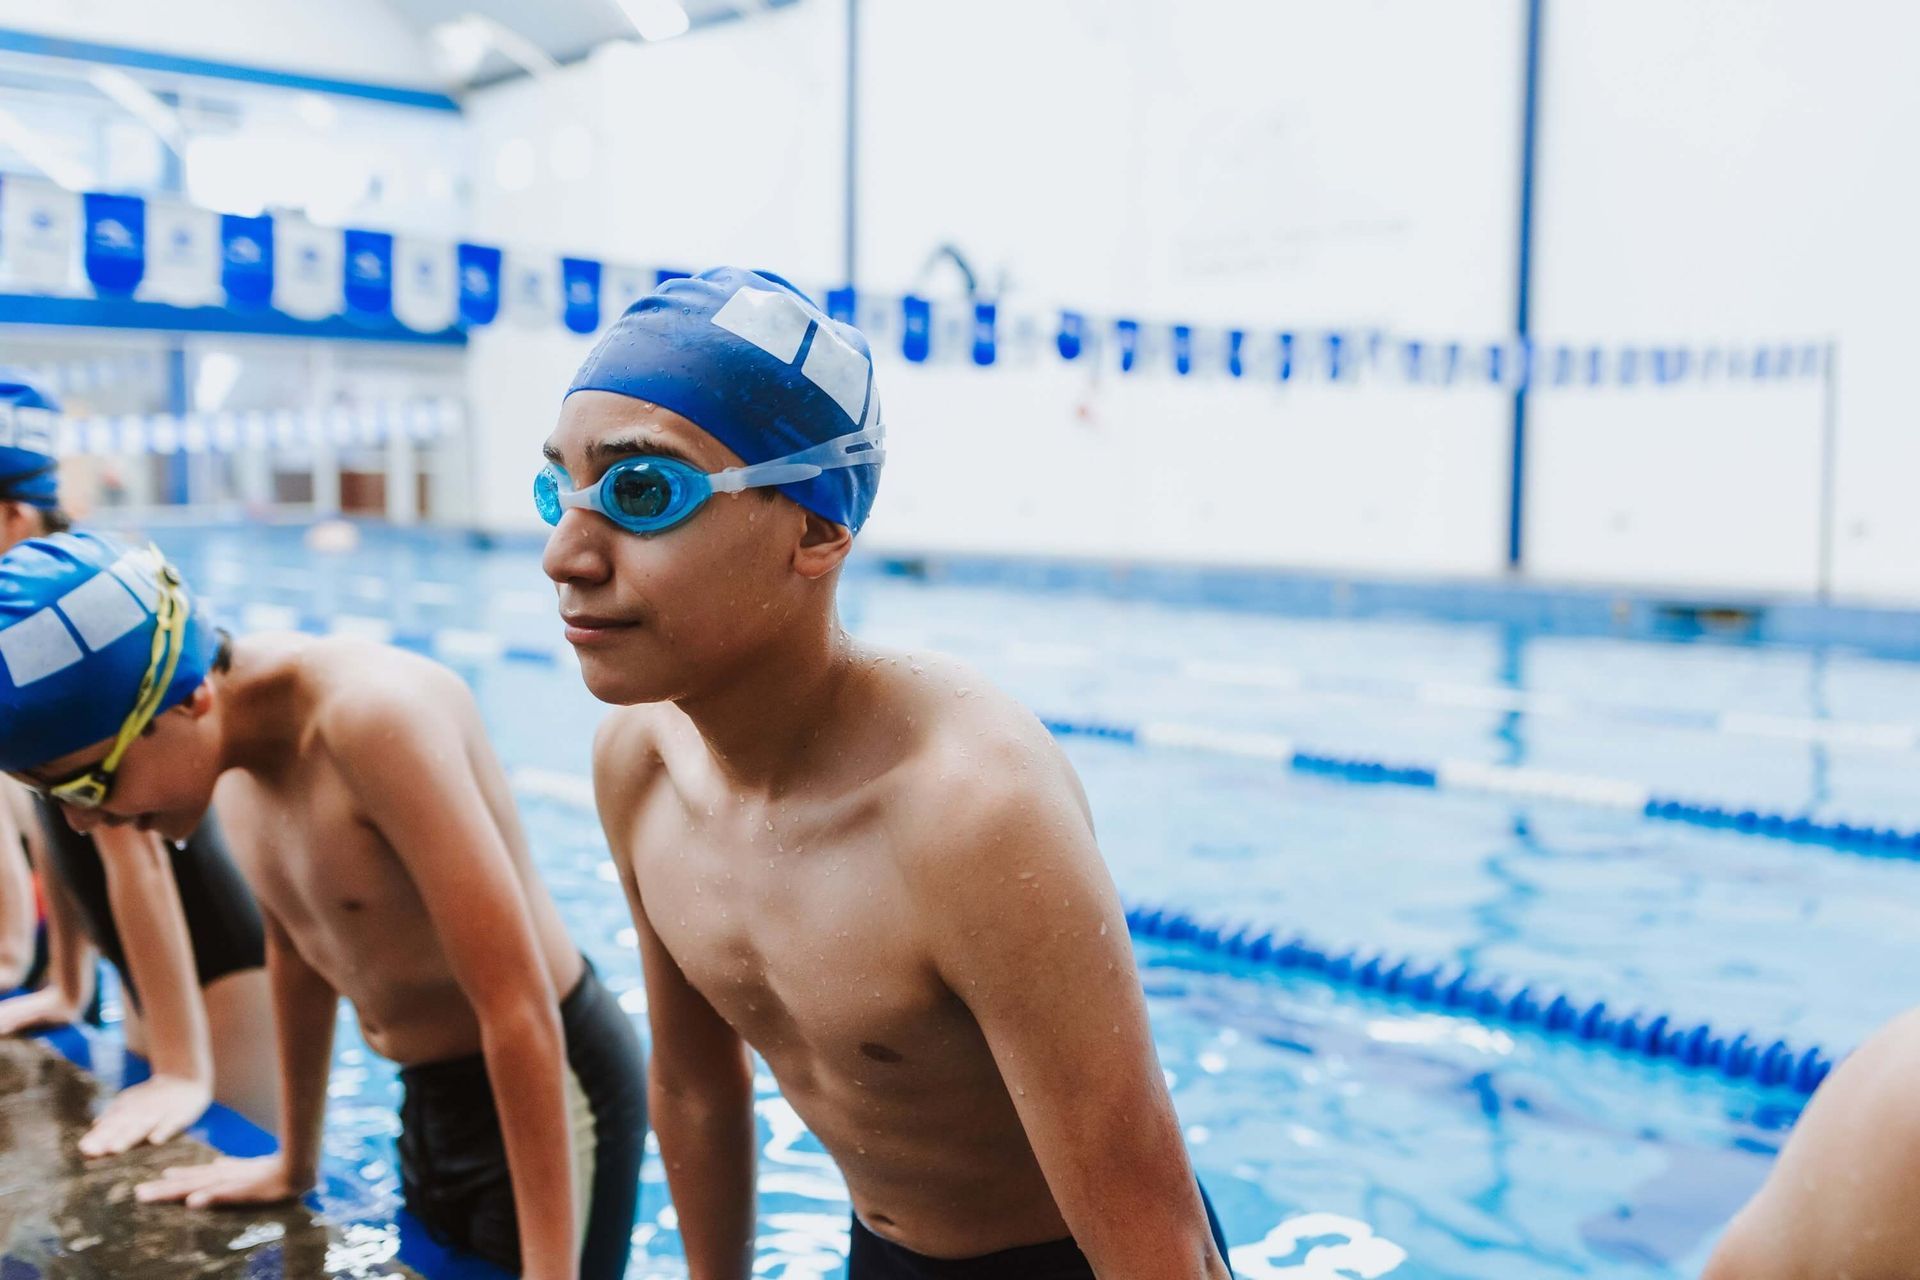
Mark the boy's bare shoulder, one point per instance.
(364, 694)
(628, 758)
(985, 779)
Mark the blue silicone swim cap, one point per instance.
(77, 617)
(29, 417)
(750, 360)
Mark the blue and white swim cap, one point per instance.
(750, 360)
(77, 616)
(29, 420)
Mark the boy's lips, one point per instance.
(585, 628)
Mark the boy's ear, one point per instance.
(823, 546)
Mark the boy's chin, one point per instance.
(618, 685)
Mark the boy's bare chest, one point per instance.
(325, 874)
(806, 943)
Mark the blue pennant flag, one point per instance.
(246, 260)
(842, 304)
(116, 253)
(1762, 367)
(580, 294)
(1126, 337)
(1712, 362)
(1627, 370)
(1072, 336)
(1183, 349)
(665, 274)
(1562, 366)
(479, 268)
(368, 279)
(1810, 360)
(1335, 345)
(1496, 362)
(1286, 344)
(985, 335)
(916, 328)
(1596, 366)
(1413, 360)
(1236, 361)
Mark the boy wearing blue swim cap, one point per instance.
(872, 867)
(194, 979)
(371, 817)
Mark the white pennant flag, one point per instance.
(39, 236)
(621, 287)
(307, 266)
(426, 284)
(183, 256)
(530, 289)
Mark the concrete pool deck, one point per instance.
(66, 1218)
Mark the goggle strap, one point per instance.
(829, 455)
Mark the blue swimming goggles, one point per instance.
(652, 494)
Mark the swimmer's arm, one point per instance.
(699, 1079)
(16, 898)
(145, 901)
(700, 1096)
(410, 772)
(70, 957)
(1027, 930)
(305, 1006)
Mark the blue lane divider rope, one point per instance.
(1770, 1062)
(1472, 776)
(455, 644)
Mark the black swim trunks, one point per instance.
(872, 1258)
(453, 1156)
(223, 921)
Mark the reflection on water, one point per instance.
(65, 1218)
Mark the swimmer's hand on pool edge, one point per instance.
(226, 1181)
(156, 1110)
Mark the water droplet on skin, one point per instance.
(1103, 929)
(1026, 875)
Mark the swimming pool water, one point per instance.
(1394, 1142)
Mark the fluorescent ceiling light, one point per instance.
(657, 19)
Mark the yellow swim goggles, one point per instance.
(90, 788)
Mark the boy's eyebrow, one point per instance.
(601, 452)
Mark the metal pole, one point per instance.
(1523, 292)
(1829, 480)
(851, 211)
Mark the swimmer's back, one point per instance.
(1843, 1199)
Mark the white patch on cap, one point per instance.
(838, 369)
(102, 610)
(37, 646)
(773, 322)
(136, 571)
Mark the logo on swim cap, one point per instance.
(750, 360)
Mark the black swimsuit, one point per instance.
(223, 921)
(872, 1258)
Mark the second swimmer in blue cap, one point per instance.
(369, 813)
(870, 866)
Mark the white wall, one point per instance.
(345, 39)
(723, 146)
(1726, 169)
(1289, 163)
